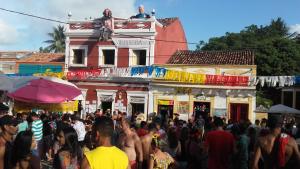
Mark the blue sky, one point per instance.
(202, 19)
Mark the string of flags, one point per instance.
(182, 76)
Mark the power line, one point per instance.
(54, 20)
(34, 16)
(132, 36)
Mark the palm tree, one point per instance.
(57, 42)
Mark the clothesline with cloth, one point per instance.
(275, 81)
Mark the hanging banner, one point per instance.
(227, 80)
(185, 77)
(165, 102)
(49, 73)
(96, 73)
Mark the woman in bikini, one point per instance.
(159, 159)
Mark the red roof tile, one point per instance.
(245, 57)
(167, 21)
(44, 57)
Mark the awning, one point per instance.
(282, 109)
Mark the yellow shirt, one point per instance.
(107, 158)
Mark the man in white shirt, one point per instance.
(79, 128)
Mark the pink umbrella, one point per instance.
(45, 91)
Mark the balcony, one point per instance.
(119, 27)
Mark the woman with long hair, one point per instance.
(70, 154)
(159, 159)
(22, 157)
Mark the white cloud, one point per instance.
(295, 28)
(8, 34)
(33, 31)
(91, 8)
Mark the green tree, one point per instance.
(57, 41)
(43, 50)
(276, 52)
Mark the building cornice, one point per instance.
(173, 84)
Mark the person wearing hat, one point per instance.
(278, 149)
(9, 129)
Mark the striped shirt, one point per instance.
(37, 129)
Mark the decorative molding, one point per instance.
(137, 100)
(135, 43)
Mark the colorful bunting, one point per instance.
(186, 77)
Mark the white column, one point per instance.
(128, 102)
(150, 102)
(146, 106)
(67, 54)
(152, 50)
(82, 113)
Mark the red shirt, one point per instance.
(141, 132)
(220, 149)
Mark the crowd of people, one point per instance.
(112, 141)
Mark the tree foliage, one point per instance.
(276, 53)
(56, 41)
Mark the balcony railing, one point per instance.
(117, 24)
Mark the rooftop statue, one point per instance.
(106, 25)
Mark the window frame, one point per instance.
(82, 47)
(101, 56)
(131, 50)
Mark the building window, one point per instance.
(138, 57)
(78, 55)
(108, 56)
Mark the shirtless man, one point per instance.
(9, 129)
(130, 143)
(269, 147)
(146, 143)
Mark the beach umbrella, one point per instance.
(45, 91)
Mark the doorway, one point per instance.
(166, 112)
(201, 109)
(137, 108)
(105, 106)
(239, 112)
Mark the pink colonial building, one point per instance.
(101, 53)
